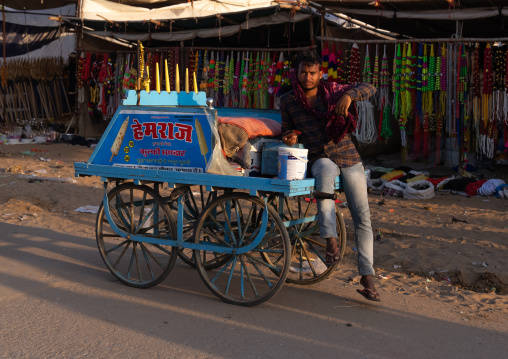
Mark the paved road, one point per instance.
(58, 301)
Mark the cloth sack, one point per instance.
(376, 185)
(419, 190)
(394, 188)
(502, 191)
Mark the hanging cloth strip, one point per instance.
(203, 86)
(505, 93)
(428, 106)
(450, 115)
(264, 94)
(405, 93)
(211, 75)
(397, 96)
(384, 81)
(487, 143)
(250, 83)
(396, 81)
(245, 79)
(443, 83)
(385, 131)
(199, 70)
(219, 79)
(228, 77)
(256, 83)
(236, 82)
(476, 87)
(332, 65)
(411, 72)
(367, 74)
(464, 103)
(325, 54)
(354, 71)
(176, 60)
(272, 70)
(499, 84)
(375, 77)
(419, 99)
(341, 74)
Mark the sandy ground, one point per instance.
(444, 283)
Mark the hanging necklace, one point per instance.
(332, 65)
(340, 66)
(354, 76)
(366, 75)
(325, 54)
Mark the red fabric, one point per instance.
(254, 126)
(396, 177)
(436, 181)
(473, 187)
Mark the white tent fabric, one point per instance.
(38, 17)
(205, 33)
(61, 47)
(118, 12)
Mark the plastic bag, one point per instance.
(394, 188)
(419, 190)
(377, 185)
(218, 164)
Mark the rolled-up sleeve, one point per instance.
(361, 91)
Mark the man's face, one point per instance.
(309, 76)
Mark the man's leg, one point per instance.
(354, 182)
(325, 171)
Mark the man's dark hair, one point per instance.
(308, 58)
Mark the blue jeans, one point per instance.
(354, 184)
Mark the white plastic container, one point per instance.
(292, 163)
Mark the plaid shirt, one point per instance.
(313, 129)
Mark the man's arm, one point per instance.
(289, 136)
(358, 92)
(361, 91)
(286, 123)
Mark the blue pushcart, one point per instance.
(245, 235)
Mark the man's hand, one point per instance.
(290, 138)
(343, 105)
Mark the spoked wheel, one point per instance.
(307, 248)
(234, 221)
(136, 210)
(193, 205)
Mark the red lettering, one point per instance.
(137, 130)
(184, 132)
(151, 129)
(170, 130)
(162, 130)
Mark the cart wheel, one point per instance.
(235, 220)
(137, 210)
(307, 248)
(192, 209)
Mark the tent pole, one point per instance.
(5, 63)
(426, 40)
(322, 28)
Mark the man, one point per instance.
(324, 114)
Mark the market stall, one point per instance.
(34, 87)
(433, 99)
